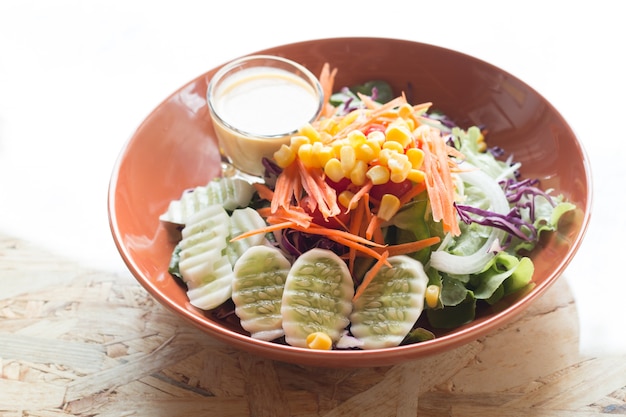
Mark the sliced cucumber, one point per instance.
(317, 297)
(390, 305)
(244, 220)
(203, 263)
(230, 192)
(259, 280)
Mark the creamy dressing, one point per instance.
(266, 101)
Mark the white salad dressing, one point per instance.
(257, 103)
(266, 101)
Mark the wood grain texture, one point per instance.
(78, 342)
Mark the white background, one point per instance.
(77, 77)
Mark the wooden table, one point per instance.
(79, 342)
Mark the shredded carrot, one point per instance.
(266, 229)
(439, 182)
(293, 214)
(372, 226)
(325, 196)
(321, 230)
(327, 80)
(359, 194)
(356, 220)
(287, 188)
(365, 250)
(360, 123)
(369, 276)
(416, 190)
(264, 191)
(409, 247)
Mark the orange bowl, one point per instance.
(175, 148)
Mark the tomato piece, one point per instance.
(397, 189)
(340, 186)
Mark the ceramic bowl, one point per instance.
(175, 148)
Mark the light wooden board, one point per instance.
(78, 342)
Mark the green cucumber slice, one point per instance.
(258, 284)
(390, 305)
(203, 263)
(244, 220)
(317, 297)
(230, 192)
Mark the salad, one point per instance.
(378, 223)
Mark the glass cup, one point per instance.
(257, 103)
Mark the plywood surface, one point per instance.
(79, 342)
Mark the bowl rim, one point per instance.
(350, 358)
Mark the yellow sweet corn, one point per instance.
(432, 296)
(323, 153)
(393, 146)
(348, 158)
(416, 175)
(377, 137)
(358, 172)
(405, 111)
(298, 140)
(399, 167)
(367, 151)
(333, 170)
(389, 206)
(398, 132)
(390, 153)
(284, 156)
(416, 156)
(319, 341)
(378, 174)
(310, 132)
(356, 138)
(306, 155)
(345, 199)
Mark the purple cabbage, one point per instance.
(520, 195)
(296, 243)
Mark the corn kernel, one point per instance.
(284, 156)
(348, 158)
(394, 146)
(432, 295)
(416, 175)
(384, 155)
(376, 136)
(405, 111)
(357, 174)
(328, 126)
(306, 155)
(365, 152)
(323, 153)
(333, 170)
(416, 156)
(298, 140)
(398, 133)
(356, 138)
(399, 167)
(378, 174)
(337, 145)
(319, 341)
(389, 206)
(345, 199)
(410, 123)
(310, 132)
